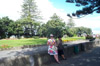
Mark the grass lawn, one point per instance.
(30, 41)
(74, 38)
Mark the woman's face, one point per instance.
(59, 38)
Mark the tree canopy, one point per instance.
(29, 10)
(29, 17)
(89, 7)
(5, 26)
(54, 26)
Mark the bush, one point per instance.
(89, 37)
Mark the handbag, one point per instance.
(54, 48)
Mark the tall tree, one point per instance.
(29, 10)
(89, 6)
(29, 16)
(55, 26)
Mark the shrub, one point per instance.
(90, 37)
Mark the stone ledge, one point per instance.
(41, 57)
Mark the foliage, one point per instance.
(78, 31)
(29, 10)
(90, 37)
(84, 30)
(5, 27)
(26, 27)
(57, 27)
(30, 15)
(89, 6)
(9, 27)
(18, 29)
(42, 31)
(54, 26)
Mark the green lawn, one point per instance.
(76, 38)
(21, 42)
(30, 41)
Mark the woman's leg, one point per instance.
(56, 58)
(63, 56)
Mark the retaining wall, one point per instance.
(43, 58)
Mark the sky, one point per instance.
(12, 9)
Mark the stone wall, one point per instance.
(43, 58)
(15, 61)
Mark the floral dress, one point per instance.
(51, 49)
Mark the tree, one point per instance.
(82, 30)
(70, 23)
(29, 17)
(29, 10)
(55, 26)
(89, 6)
(42, 31)
(5, 27)
(18, 29)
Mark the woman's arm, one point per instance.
(48, 43)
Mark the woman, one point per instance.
(52, 49)
(60, 47)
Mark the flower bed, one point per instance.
(4, 46)
(69, 40)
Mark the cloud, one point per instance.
(47, 10)
(10, 8)
(90, 22)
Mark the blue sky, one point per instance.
(62, 4)
(67, 7)
(47, 8)
(89, 20)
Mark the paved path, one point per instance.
(89, 58)
(75, 42)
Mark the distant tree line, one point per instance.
(58, 27)
(55, 26)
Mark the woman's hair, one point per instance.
(59, 37)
